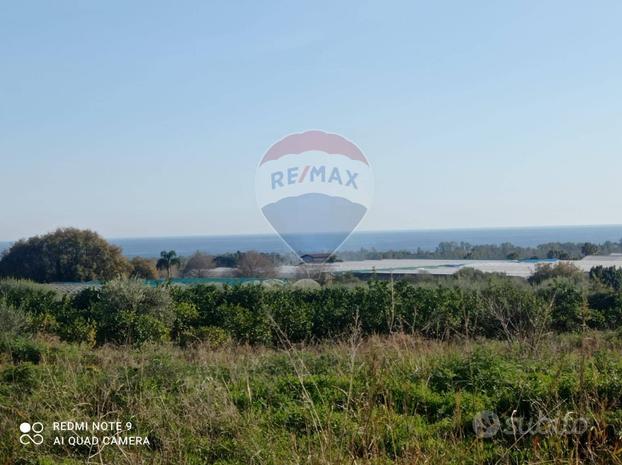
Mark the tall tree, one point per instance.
(67, 254)
(167, 261)
(198, 264)
(143, 268)
(256, 265)
(589, 249)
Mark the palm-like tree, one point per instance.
(167, 261)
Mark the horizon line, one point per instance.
(368, 231)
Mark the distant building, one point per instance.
(316, 257)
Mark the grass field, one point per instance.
(376, 400)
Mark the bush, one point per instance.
(247, 326)
(30, 297)
(185, 322)
(560, 270)
(13, 322)
(207, 299)
(569, 311)
(291, 314)
(511, 309)
(607, 309)
(143, 268)
(607, 276)
(130, 312)
(212, 336)
(40, 303)
(23, 377)
(22, 349)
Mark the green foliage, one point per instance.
(606, 309)
(569, 304)
(212, 336)
(185, 322)
(22, 377)
(559, 270)
(167, 261)
(13, 322)
(28, 296)
(65, 255)
(469, 305)
(130, 312)
(607, 276)
(391, 400)
(589, 249)
(246, 325)
(143, 268)
(38, 302)
(21, 349)
(505, 251)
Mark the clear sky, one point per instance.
(148, 118)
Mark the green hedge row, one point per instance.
(130, 312)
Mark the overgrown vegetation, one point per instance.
(380, 373)
(75, 255)
(469, 304)
(68, 254)
(391, 400)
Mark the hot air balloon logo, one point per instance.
(314, 188)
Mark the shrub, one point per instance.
(30, 297)
(607, 276)
(143, 268)
(247, 326)
(23, 377)
(13, 322)
(185, 322)
(560, 270)
(78, 329)
(22, 349)
(206, 298)
(86, 298)
(40, 303)
(212, 336)
(511, 310)
(130, 312)
(569, 310)
(607, 308)
(291, 314)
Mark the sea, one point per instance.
(378, 240)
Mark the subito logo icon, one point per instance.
(26, 438)
(314, 188)
(486, 424)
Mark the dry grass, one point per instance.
(380, 400)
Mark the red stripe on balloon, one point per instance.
(332, 144)
(304, 173)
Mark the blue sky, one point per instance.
(148, 118)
